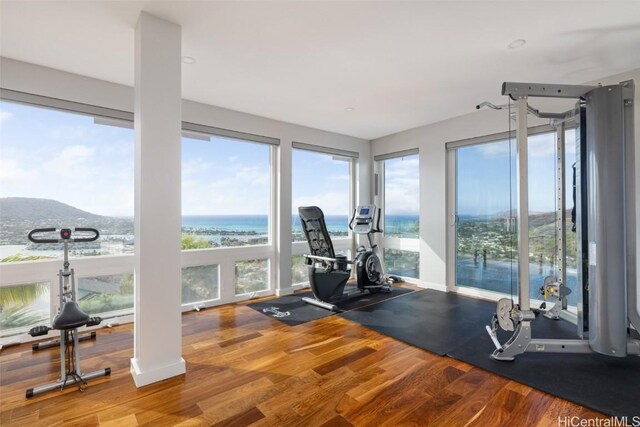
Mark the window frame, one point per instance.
(392, 242)
(24, 272)
(451, 205)
(339, 244)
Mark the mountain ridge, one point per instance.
(19, 215)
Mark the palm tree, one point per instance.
(15, 299)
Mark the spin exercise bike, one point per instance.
(69, 318)
(329, 272)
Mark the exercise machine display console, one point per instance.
(364, 220)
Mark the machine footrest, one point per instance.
(93, 321)
(39, 331)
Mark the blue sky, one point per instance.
(483, 175)
(56, 155)
(67, 157)
(402, 185)
(319, 179)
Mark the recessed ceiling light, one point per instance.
(517, 43)
(349, 109)
(188, 60)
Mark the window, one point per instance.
(252, 276)
(299, 270)
(401, 200)
(23, 306)
(59, 168)
(399, 190)
(323, 180)
(486, 206)
(200, 283)
(401, 263)
(226, 192)
(106, 294)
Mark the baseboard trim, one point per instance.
(284, 291)
(143, 378)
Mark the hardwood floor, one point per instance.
(245, 368)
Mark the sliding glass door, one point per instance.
(484, 226)
(485, 238)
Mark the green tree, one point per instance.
(126, 284)
(190, 241)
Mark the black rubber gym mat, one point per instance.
(607, 384)
(429, 319)
(301, 312)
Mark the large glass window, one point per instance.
(401, 197)
(323, 180)
(226, 192)
(63, 169)
(486, 207)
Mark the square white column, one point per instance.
(157, 122)
(283, 284)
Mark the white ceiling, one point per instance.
(399, 64)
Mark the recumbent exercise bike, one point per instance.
(329, 272)
(69, 318)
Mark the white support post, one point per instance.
(523, 205)
(283, 237)
(157, 122)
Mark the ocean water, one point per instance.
(259, 223)
(256, 223)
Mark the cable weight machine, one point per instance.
(605, 226)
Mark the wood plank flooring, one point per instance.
(244, 368)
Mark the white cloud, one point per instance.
(72, 156)
(243, 191)
(70, 132)
(5, 115)
(495, 149)
(195, 166)
(12, 173)
(332, 203)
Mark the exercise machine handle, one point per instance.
(352, 218)
(41, 230)
(378, 229)
(65, 235)
(87, 239)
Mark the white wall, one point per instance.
(431, 140)
(34, 79)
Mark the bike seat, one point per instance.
(70, 317)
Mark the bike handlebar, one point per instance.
(41, 230)
(87, 239)
(65, 235)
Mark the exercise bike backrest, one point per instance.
(65, 235)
